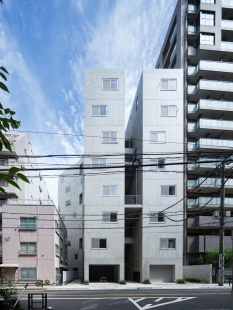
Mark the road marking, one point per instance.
(150, 306)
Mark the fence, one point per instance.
(69, 275)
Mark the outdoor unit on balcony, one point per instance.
(216, 214)
(47, 282)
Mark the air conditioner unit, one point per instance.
(40, 282)
(47, 282)
(216, 214)
(228, 213)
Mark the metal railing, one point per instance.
(133, 199)
(30, 202)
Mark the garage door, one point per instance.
(162, 273)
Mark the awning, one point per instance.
(9, 265)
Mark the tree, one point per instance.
(212, 257)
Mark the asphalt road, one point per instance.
(134, 299)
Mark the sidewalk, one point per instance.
(76, 285)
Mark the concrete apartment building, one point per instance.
(70, 187)
(33, 238)
(200, 41)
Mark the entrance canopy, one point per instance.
(9, 265)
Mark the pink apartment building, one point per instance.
(34, 242)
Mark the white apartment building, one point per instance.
(33, 238)
(70, 187)
(200, 41)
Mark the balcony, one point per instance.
(212, 202)
(226, 46)
(133, 199)
(191, 30)
(208, 185)
(192, 9)
(227, 24)
(30, 202)
(210, 109)
(211, 127)
(61, 258)
(203, 87)
(207, 222)
(173, 34)
(192, 51)
(208, 144)
(227, 3)
(203, 164)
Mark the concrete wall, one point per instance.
(200, 272)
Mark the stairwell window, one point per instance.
(159, 163)
(168, 84)
(98, 243)
(158, 137)
(168, 190)
(98, 110)
(167, 243)
(110, 217)
(168, 110)
(99, 162)
(110, 84)
(110, 137)
(157, 217)
(110, 190)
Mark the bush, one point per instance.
(85, 282)
(180, 281)
(122, 282)
(146, 281)
(9, 297)
(193, 280)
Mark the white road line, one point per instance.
(150, 306)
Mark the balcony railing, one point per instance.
(210, 65)
(30, 202)
(28, 226)
(227, 2)
(28, 252)
(203, 162)
(227, 24)
(226, 45)
(215, 124)
(213, 143)
(208, 181)
(215, 85)
(173, 53)
(208, 1)
(192, 51)
(192, 8)
(204, 200)
(133, 199)
(192, 29)
(61, 258)
(173, 34)
(211, 104)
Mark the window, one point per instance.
(110, 84)
(168, 110)
(4, 183)
(28, 248)
(110, 190)
(110, 137)
(206, 38)
(168, 84)
(157, 217)
(99, 162)
(57, 250)
(67, 189)
(158, 162)
(28, 273)
(3, 202)
(80, 243)
(3, 162)
(99, 243)
(99, 110)
(166, 243)
(75, 256)
(168, 190)
(109, 216)
(80, 199)
(208, 1)
(137, 103)
(28, 223)
(207, 18)
(158, 136)
(68, 203)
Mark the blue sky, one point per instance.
(46, 46)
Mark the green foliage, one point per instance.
(9, 297)
(7, 122)
(122, 282)
(192, 280)
(212, 257)
(85, 282)
(146, 281)
(180, 281)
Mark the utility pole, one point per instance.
(221, 232)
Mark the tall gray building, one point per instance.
(200, 41)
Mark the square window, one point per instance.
(109, 216)
(157, 217)
(168, 84)
(168, 110)
(168, 190)
(167, 243)
(28, 273)
(98, 243)
(158, 136)
(110, 137)
(99, 110)
(110, 190)
(110, 84)
(28, 223)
